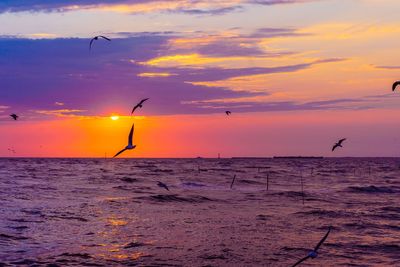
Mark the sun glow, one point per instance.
(114, 117)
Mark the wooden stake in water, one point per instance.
(302, 186)
(233, 180)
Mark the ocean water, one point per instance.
(110, 212)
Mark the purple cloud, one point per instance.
(35, 74)
(64, 5)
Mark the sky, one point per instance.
(297, 76)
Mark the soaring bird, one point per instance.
(97, 38)
(395, 85)
(314, 253)
(130, 143)
(339, 143)
(161, 184)
(139, 105)
(228, 112)
(14, 116)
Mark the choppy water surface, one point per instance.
(93, 212)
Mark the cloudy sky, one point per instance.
(296, 74)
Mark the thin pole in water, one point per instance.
(302, 186)
(233, 180)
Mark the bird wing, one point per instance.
(395, 85)
(322, 240)
(108, 39)
(334, 147)
(119, 152)
(134, 108)
(341, 140)
(300, 261)
(91, 42)
(143, 100)
(130, 142)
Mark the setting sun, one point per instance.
(114, 117)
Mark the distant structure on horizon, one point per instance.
(298, 157)
(281, 157)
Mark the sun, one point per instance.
(114, 117)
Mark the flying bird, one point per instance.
(395, 85)
(314, 253)
(97, 38)
(161, 184)
(338, 144)
(14, 116)
(139, 105)
(228, 112)
(130, 143)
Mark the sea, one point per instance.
(111, 212)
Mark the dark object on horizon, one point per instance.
(161, 184)
(14, 116)
(314, 253)
(339, 143)
(233, 180)
(130, 143)
(395, 84)
(228, 112)
(97, 38)
(139, 105)
(298, 157)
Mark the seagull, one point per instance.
(14, 116)
(130, 143)
(395, 85)
(97, 38)
(314, 253)
(139, 105)
(161, 184)
(228, 112)
(338, 144)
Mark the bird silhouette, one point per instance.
(338, 144)
(314, 253)
(139, 105)
(161, 184)
(130, 143)
(97, 38)
(14, 116)
(395, 84)
(228, 112)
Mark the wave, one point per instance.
(193, 184)
(323, 213)
(129, 180)
(176, 198)
(135, 245)
(12, 237)
(372, 189)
